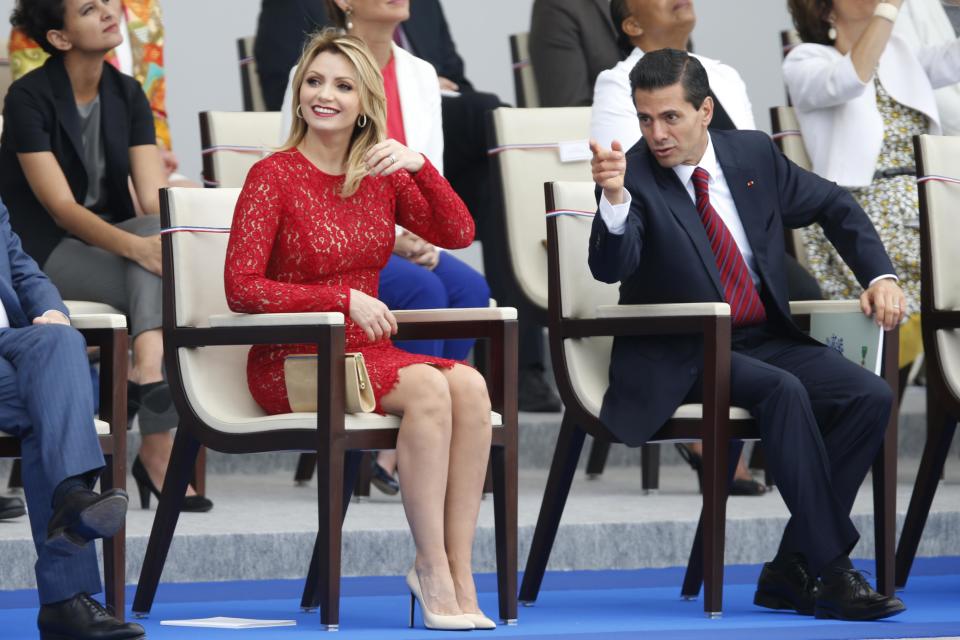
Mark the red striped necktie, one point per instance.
(738, 288)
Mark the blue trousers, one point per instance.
(451, 284)
(45, 401)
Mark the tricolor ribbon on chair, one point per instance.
(232, 148)
(938, 179)
(188, 229)
(570, 212)
(785, 134)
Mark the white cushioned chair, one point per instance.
(206, 352)
(584, 316)
(786, 135)
(524, 83)
(939, 189)
(249, 79)
(233, 141)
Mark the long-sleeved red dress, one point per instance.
(296, 245)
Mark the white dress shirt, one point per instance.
(4, 319)
(615, 216)
(614, 115)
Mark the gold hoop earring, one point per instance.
(299, 112)
(362, 120)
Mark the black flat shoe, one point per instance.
(83, 618)
(384, 481)
(84, 516)
(787, 586)
(11, 508)
(145, 487)
(844, 594)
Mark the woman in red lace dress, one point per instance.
(312, 229)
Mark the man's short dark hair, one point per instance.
(36, 17)
(667, 67)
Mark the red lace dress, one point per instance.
(296, 245)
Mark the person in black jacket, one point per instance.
(76, 133)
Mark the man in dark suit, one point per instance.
(689, 215)
(45, 401)
(571, 42)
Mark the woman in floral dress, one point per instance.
(861, 95)
(313, 227)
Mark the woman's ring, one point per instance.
(393, 158)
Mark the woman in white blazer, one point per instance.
(861, 94)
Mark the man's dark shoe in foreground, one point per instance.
(83, 618)
(84, 516)
(534, 392)
(787, 585)
(844, 594)
(11, 508)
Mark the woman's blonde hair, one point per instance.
(373, 101)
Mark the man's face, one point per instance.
(675, 131)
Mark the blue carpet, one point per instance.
(609, 605)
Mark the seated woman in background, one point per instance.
(313, 227)
(140, 55)
(75, 132)
(417, 276)
(861, 95)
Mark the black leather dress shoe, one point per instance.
(83, 618)
(787, 585)
(84, 516)
(844, 594)
(534, 393)
(384, 481)
(11, 508)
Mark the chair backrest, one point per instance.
(6, 74)
(232, 141)
(524, 82)
(789, 38)
(939, 177)
(786, 135)
(576, 294)
(939, 188)
(533, 146)
(249, 79)
(198, 224)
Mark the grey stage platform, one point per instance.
(263, 527)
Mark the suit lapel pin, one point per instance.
(749, 183)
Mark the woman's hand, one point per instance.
(145, 251)
(416, 249)
(390, 156)
(170, 162)
(372, 316)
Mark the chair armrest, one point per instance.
(83, 321)
(455, 315)
(806, 307)
(679, 310)
(86, 307)
(275, 319)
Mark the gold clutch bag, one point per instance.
(300, 374)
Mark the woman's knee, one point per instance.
(468, 388)
(425, 391)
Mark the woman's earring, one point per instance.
(299, 112)
(348, 12)
(832, 33)
(362, 120)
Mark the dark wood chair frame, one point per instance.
(113, 344)
(943, 407)
(706, 564)
(338, 448)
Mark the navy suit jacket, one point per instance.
(24, 290)
(664, 256)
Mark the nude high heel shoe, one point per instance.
(458, 622)
(480, 621)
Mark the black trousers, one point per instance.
(822, 419)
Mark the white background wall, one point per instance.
(202, 69)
